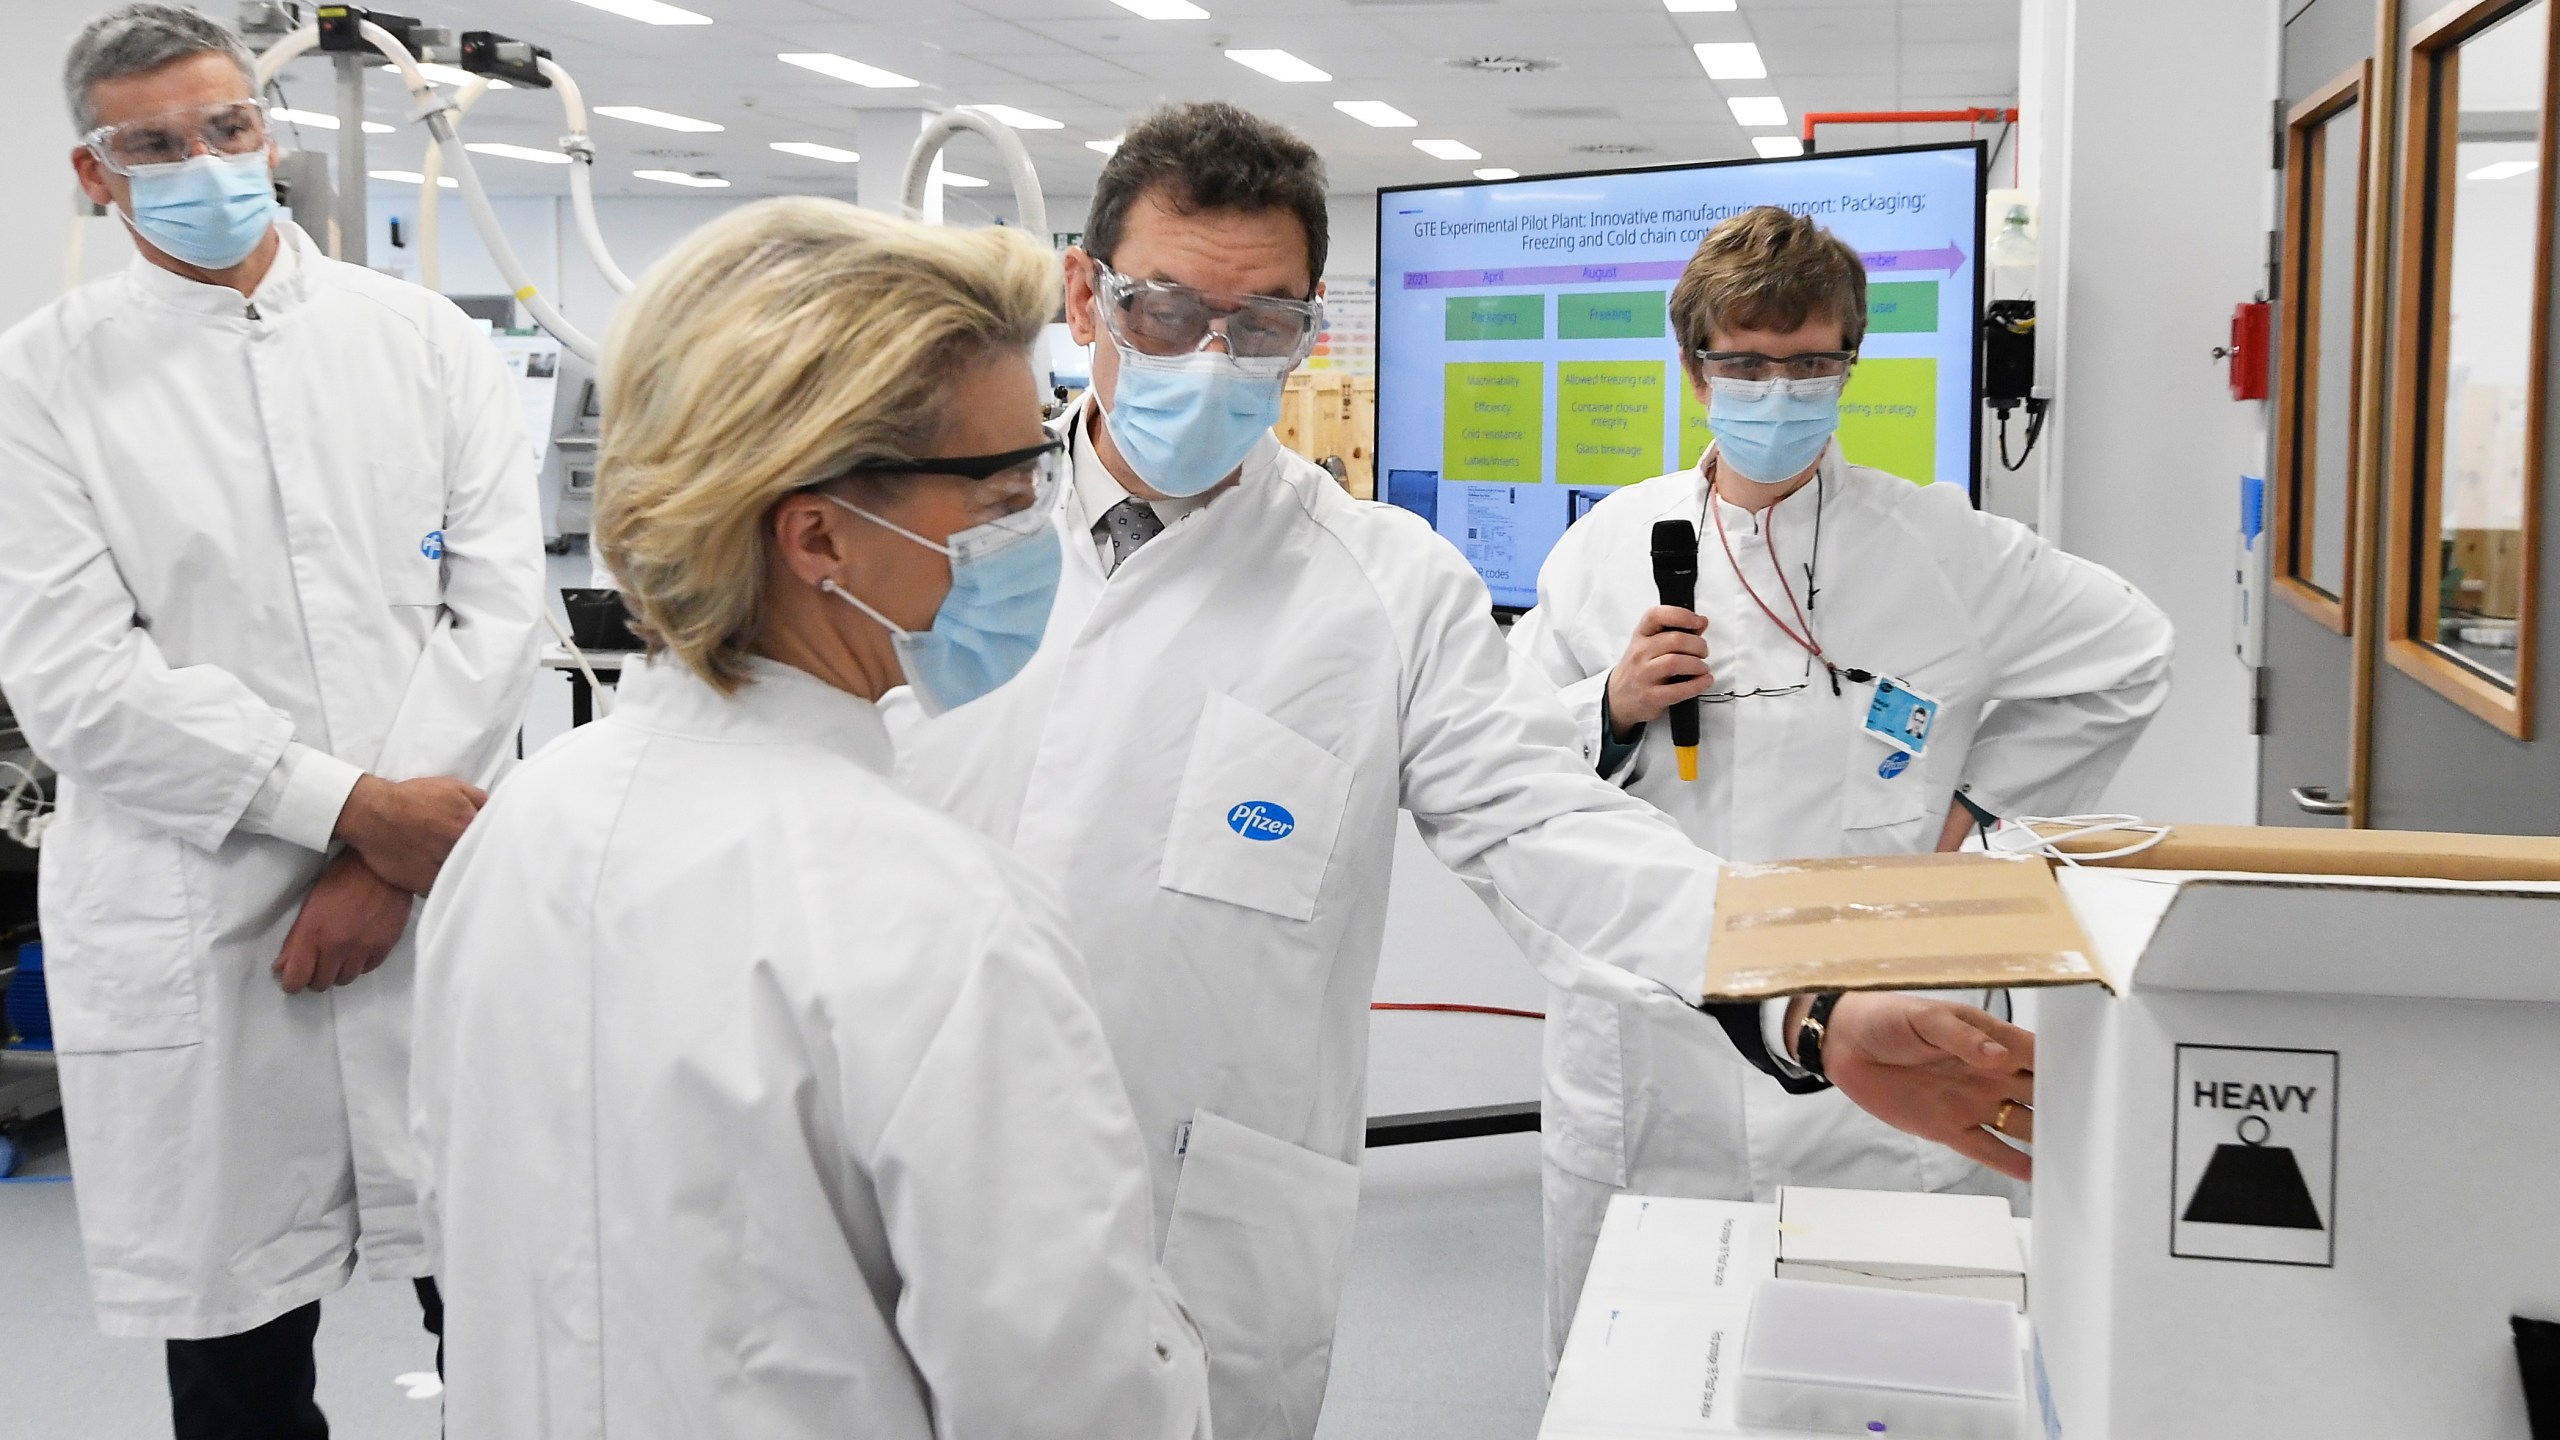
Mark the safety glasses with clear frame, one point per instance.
(1752, 365)
(1017, 491)
(224, 127)
(1158, 317)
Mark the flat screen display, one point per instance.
(1525, 361)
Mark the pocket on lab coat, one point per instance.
(412, 545)
(120, 947)
(1882, 798)
(1258, 1245)
(1256, 817)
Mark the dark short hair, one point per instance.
(1209, 155)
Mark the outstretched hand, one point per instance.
(1938, 1070)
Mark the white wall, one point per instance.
(2155, 213)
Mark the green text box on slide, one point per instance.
(1497, 317)
(1608, 421)
(1613, 315)
(1889, 418)
(1493, 421)
(1902, 307)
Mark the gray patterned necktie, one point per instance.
(1130, 524)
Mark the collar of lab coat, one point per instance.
(1830, 480)
(287, 281)
(1096, 489)
(779, 705)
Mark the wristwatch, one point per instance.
(1810, 1030)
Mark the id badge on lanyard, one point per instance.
(1901, 716)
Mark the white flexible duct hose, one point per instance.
(582, 185)
(282, 53)
(437, 113)
(430, 249)
(1017, 164)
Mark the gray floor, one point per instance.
(1439, 1336)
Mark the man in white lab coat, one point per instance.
(268, 582)
(1881, 668)
(1246, 674)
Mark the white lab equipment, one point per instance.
(1852, 1360)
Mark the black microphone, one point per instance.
(1675, 576)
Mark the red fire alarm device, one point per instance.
(2252, 333)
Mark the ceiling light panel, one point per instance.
(516, 152)
(839, 68)
(1497, 173)
(1448, 149)
(810, 149)
(456, 75)
(1777, 147)
(2501, 170)
(1757, 109)
(679, 177)
(1375, 112)
(1279, 65)
(1163, 9)
(412, 177)
(1732, 60)
(664, 120)
(1104, 147)
(1698, 7)
(1014, 119)
(957, 180)
(647, 12)
(323, 120)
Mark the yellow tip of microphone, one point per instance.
(1688, 760)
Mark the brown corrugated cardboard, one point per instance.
(1902, 922)
(2282, 850)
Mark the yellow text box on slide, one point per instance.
(1493, 421)
(1608, 421)
(1889, 417)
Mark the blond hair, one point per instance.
(1768, 269)
(776, 348)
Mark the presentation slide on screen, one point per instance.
(1525, 360)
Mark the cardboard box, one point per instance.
(2280, 850)
(2298, 1154)
(1892, 922)
(1964, 1245)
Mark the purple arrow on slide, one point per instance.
(1907, 262)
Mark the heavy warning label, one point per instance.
(2255, 1142)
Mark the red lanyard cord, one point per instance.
(1806, 640)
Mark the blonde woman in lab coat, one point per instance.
(759, 1099)
(1880, 667)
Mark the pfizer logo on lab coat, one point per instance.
(1261, 820)
(431, 545)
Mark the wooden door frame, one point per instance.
(2424, 263)
(2382, 117)
(2296, 510)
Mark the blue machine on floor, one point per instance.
(28, 1089)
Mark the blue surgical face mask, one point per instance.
(207, 210)
(1004, 578)
(1185, 422)
(1771, 431)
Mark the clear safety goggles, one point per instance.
(220, 127)
(1017, 491)
(1158, 317)
(1754, 366)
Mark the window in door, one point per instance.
(2319, 380)
(2475, 252)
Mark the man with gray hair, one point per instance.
(268, 589)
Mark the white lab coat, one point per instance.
(2047, 666)
(300, 528)
(761, 1101)
(1328, 660)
